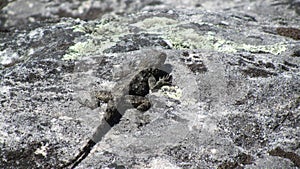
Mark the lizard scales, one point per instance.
(130, 93)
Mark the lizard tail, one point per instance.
(81, 155)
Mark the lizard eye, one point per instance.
(151, 82)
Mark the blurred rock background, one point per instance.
(236, 82)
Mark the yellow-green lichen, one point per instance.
(275, 49)
(107, 34)
(79, 49)
(173, 92)
(80, 28)
(182, 38)
(189, 39)
(102, 36)
(156, 24)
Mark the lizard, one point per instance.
(130, 93)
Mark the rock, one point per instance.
(234, 103)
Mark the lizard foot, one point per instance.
(163, 81)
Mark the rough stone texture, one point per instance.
(235, 102)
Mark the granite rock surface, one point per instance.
(234, 101)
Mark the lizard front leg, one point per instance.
(157, 84)
(139, 102)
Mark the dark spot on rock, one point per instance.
(293, 33)
(94, 13)
(134, 42)
(143, 121)
(260, 63)
(269, 65)
(250, 18)
(259, 52)
(256, 72)
(198, 5)
(241, 62)
(283, 67)
(229, 165)
(27, 158)
(290, 64)
(295, 158)
(32, 77)
(245, 131)
(197, 67)
(4, 30)
(245, 17)
(68, 66)
(193, 62)
(153, 3)
(188, 59)
(3, 3)
(182, 59)
(200, 27)
(248, 57)
(182, 154)
(244, 159)
(185, 54)
(238, 162)
(296, 53)
(116, 166)
(244, 100)
(196, 56)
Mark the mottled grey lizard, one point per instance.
(128, 93)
